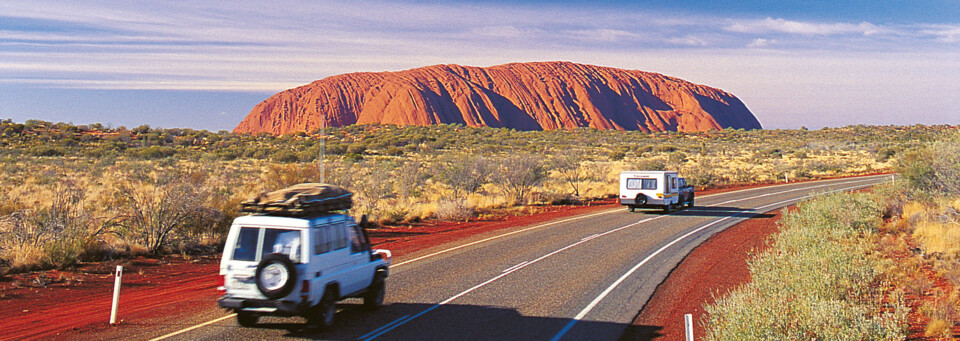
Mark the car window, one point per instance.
(246, 248)
(282, 241)
(321, 240)
(340, 241)
(641, 184)
(355, 245)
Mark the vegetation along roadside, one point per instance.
(878, 265)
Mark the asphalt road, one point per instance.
(578, 278)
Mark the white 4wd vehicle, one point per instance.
(299, 266)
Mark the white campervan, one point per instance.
(664, 189)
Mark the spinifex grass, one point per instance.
(819, 280)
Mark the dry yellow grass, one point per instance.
(934, 227)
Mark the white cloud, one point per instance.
(802, 28)
(943, 33)
(604, 35)
(761, 43)
(688, 40)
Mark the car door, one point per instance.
(361, 271)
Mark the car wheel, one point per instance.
(633, 208)
(276, 276)
(247, 319)
(373, 299)
(690, 203)
(323, 314)
(667, 208)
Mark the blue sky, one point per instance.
(205, 64)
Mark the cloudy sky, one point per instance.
(205, 64)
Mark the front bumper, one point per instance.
(265, 307)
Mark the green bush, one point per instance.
(284, 156)
(47, 151)
(819, 280)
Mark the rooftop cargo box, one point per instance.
(300, 200)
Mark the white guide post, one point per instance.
(116, 295)
(688, 326)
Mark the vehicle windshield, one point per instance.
(283, 241)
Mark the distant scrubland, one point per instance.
(73, 193)
(855, 266)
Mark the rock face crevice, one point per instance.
(524, 96)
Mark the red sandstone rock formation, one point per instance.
(525, 96)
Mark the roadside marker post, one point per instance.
(688, 326)
(116, 295)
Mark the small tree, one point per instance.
(572, 171)
(464, 174)
(152, 212)
(519, 173)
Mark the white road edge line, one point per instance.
(523, 265)
(192, 328)
(586, 310)
(504, 235)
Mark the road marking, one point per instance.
(523, 265)
(586, 310)
(513, 267)
(192, 328)
(527, 229)
(589, 237)
(384, 326)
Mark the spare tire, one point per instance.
(641, 199)
(276, 276)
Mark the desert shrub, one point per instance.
(518, 174)
(703, 174)
(942, 171)
(154, 210)
(356, 148)
(666, 148)
(277, 176)
(616, 155)
(885, 153)
(464, 174)
(456, 210)
(285, 156)
(152, 152)
(571, 171)
(410, 179)
(47, 236)
(656, 164)
(677, 158)
(817, 281)
(46, 150)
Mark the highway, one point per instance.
(583, 277)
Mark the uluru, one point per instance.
(523, 96)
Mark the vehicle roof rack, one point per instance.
(300, 200)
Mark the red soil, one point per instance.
(712, 269)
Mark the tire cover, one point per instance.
(281, 260)
(641, 199)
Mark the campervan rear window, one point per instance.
(641, 184)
